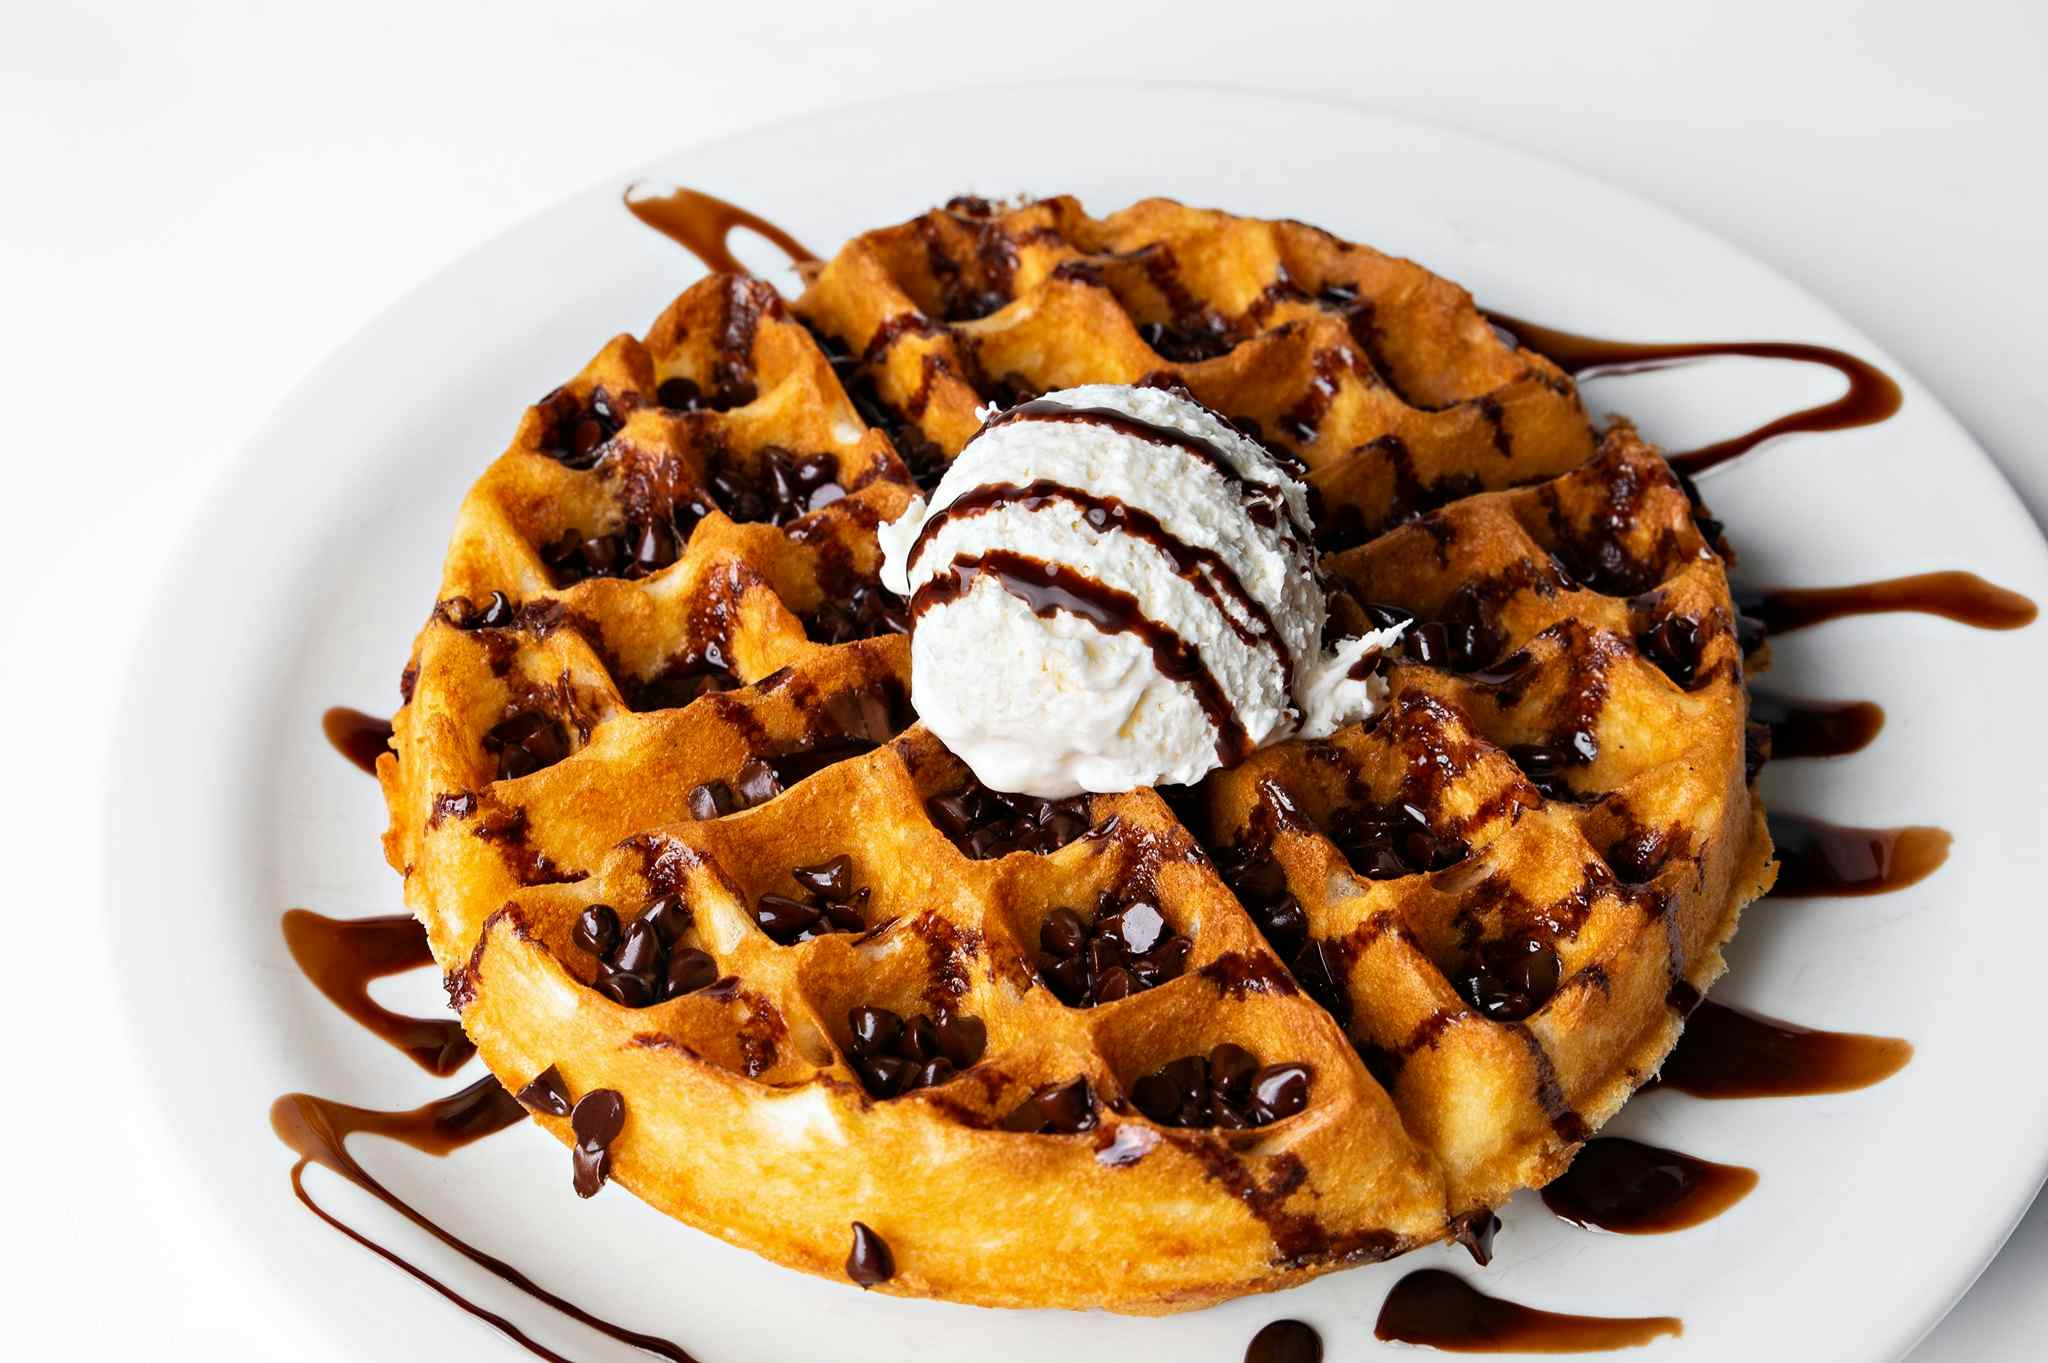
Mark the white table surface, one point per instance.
(202, 199)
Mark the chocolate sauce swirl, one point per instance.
(1049, 587)
(1871, 396)
(1207, 571)
(1264, 502)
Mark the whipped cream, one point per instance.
(1113, 587)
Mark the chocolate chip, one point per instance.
(1055, 1109)
(892, 1055)
(669, 918)
(1224, 1089)
(577, 432)
(785, 920)
(597, 930)
(1675, 645)
(596, 1120)
(874, 1029)
(711, 800)
(985, 824)
(688, 971)
(961, 1038)
(679, 394)
(1508, 979)
(781, 487)
(640, 950)
(1231, 1067)
(830, 879)
(547, 1093)
(628, 991)
(1385, 842)
(1278, 1091)
(869, 1261)
(1121, 951)
(524, 742)
(755, 783)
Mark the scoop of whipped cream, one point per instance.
(1113, 587)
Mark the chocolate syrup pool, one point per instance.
(1616, 1185)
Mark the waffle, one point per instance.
(683, 852)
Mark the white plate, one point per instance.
(310, 571)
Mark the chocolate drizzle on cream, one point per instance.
(1049, 587)
(1263, 502)
(1207, 570)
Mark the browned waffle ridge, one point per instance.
(611, 645)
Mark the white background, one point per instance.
(198, 201)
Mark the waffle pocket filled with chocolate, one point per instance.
(661, 801)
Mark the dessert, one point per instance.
(792, 974)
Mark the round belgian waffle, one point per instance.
(659, 800)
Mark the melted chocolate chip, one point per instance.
(686, 677)
(497, 612)
(866, 611)
(1255, 874)
(1674, 644)
(526, 741)
(597, 1119)
(1226, 1089)
(985, 823)
(1057, 1109)
(643, 963)
(781, 487)
(1385, 842)
(869, 1261)
(893, 1056)
(1508, 979)
(547, 1093)
(577, 432)
(829, 904)
(1122, 950)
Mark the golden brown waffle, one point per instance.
(628, 698)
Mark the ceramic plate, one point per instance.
(308, 573)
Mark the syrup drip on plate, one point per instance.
(1870, 398)
(1442, 1311)
(1962, 597)
(1815, 728)
(317, 1130)
(1625, 1186)
(1821, 859)
(359, 737)
(341, 956)
(700, 224)
(1727, 1053)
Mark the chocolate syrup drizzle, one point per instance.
(1616, 1184)
(1871, 396)
(1441, 1310)
(1817, 858)
(1815, 728)
(700, 224)
(341, 957)
(1727, 1053)
(1962, 597)
(359, 737)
